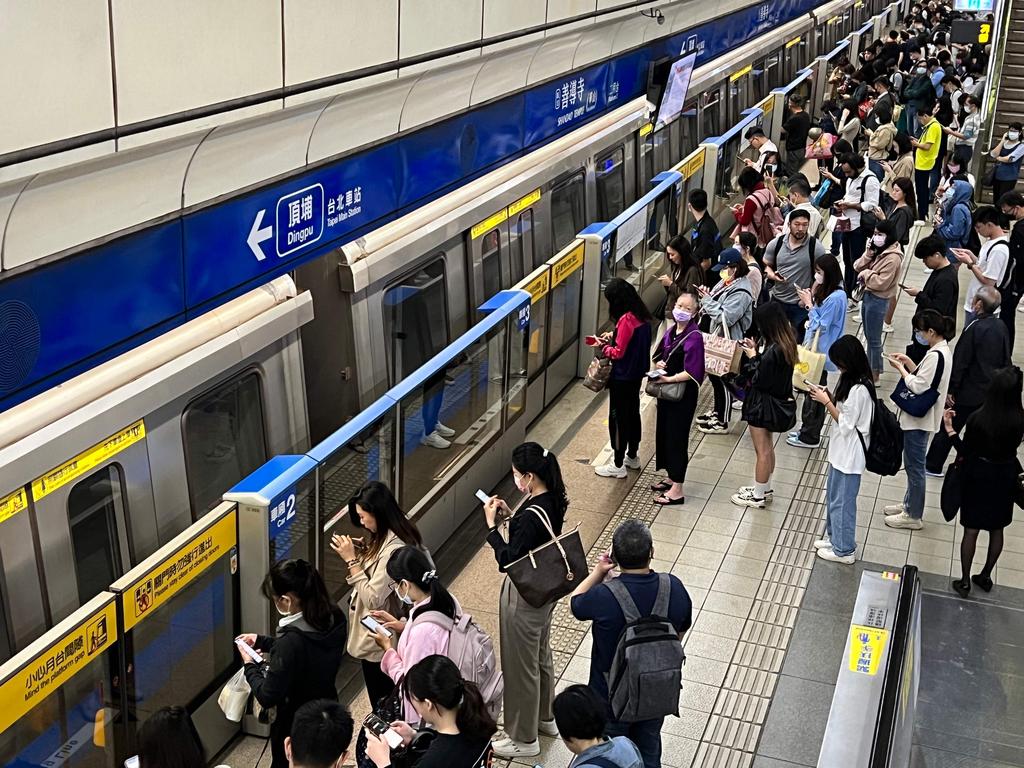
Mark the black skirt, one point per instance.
(672, 433)
(988, 493)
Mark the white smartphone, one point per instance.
(657, 373)
(376, 725)
(253, 653)
(484, 498)
(132, 762)
(375, 626)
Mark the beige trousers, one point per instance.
(526, 664)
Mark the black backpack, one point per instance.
(885, 456)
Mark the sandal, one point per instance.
(664, 485)
(984, 582)
(962, 587)
(664, 501)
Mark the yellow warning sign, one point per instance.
(45, 673)
(646, 130)
(737, 75)
(13, 504)
(866, 647)
(694, 164)
(177, 571)
(566, 265)
(523, 203)
(538, 287)
(489, 223)
(793, 42)
(87, 460)
(833, 20)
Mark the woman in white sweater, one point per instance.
(850, 409)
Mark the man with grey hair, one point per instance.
(982, 349)
(629, 561)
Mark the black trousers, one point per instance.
(723, 399)
(854, 243)
(378, 684)
(813, 417)
(624, 417)
(1008, 313)
(1001, 187)
(938, 451)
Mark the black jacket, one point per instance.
(982, 349)
(773, 374)
(705, 239)
(941, 292)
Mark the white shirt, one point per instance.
(871, 187)
(845, 452)
(992, 263)
(815, 224)
(970, 129)
(768, 148)
(920, 380)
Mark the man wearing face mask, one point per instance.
(982, 349)
(1008, 154)
(918, 97)
(858, 205)
(789, 262)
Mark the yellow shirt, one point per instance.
(924, 159)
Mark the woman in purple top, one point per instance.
(680, 357)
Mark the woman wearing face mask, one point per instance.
(452, 708)
(955, 169)
(685, 273)
(968, 130)
(526, 664)
(375, 510)
(825, 302)
(680, 358)
(1007, 154)
(729, 307)
(902, 213)
(305, 655)
(879, 271)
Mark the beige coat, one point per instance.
(881, 273)
(881, 141)
(370, 592)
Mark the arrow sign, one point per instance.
(257, 236)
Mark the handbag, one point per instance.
(721, 354)
(764, 410)
(671, 391)
(810, 365)
(917, 405)
(234, 696)
(952, 489)
(598, 373)
(552, 570)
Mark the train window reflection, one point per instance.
(94, 505)
(224, 440)
(711, 114)
(689, 132)
(414, 319)
(567, 211)
(490, 260)
(524, 234)
(611, 185)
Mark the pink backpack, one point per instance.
(473, 653)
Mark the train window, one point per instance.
(772, 77)
(689, 130)
(490, 261)
(711, 113)
(224, 440)
(567, 211)
(524, 235)
(611, 185)
(646, 164)
(415, 319)
(94, 505)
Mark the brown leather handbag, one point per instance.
(552, 570)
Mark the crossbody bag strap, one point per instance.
(939, 365)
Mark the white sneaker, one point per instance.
(823, 543)
(903, 520)
(768, 495)
(887, 328)
(856, 318)
(444, 431)
(610, 470)
(893, 509)
(513, 749)
(827, 553)
(548, 728)
(796, 442)
(710, 415)
(713, 427)
(434, 440)
(746, 498)
(631, 463)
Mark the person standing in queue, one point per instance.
(878, 270)
(680, 358)
(789, 263)
(684, 274)
(305, 655)
(1008, 155)
(628, 347)
(705, 239)
(941, 290)
(169, 739)
(375, 510)
(525, 631)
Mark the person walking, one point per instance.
(729, 309)
(941, 290)
(769, 403)
(933, 330)
(851, 408)
(375, 510)
(525, 631)
(628, 347)
(1008, 155)
(982, 349)
(789, 263)
(878, 270)
(826, 305)
(988, 452)
(680, 358)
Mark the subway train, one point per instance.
(104, 468)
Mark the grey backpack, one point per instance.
(647, 670)
(473, 653)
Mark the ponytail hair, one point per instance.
(933, 320)
(300, 578)
(412, 565)
(438, 679)
(536, 460)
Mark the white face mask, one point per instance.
(405, 599)
(819, 278)
(1013, 135)
(277, 605)
(878, 240)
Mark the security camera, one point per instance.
(654, 14)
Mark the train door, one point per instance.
(568, 210)
(22, 614)
(416, 313)
(711, 112)
(522, 237)
(610, 176)
(740, 93)
(490, 268)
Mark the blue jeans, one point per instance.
(796, 315)
(872, 312)
(915, 447)
(841, 520)
(646, 734)
(913, 127)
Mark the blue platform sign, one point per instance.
(300, 220)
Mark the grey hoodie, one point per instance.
(734, 302)
(618, 750)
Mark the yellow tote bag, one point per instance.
(811, 364)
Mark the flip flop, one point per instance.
(665, 501)
(664, 485)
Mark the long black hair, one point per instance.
(829, 266)
(168, 739)
(775, 328)
(680, 245)
(376, 498)
(537, 460)
(412, 565)
(622, 298)
(933, 320)
(438, 679)
(909, 193)
(748, 180)
(849, 356)
(300, 578)
(1002, 412)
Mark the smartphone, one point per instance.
(132, 762)
(253, 653)
(901, 285)
(592, 341)
(378, 727)
(484, 498)
(375, 626)
(657, 373)
(769, 169)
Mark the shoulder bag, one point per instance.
(918, 405)
(952, 489)
(671, 391)
(598, 373)
(810, 365)
(552, 570)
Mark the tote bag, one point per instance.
(552, 570)
(721, 354)
(810, 365)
